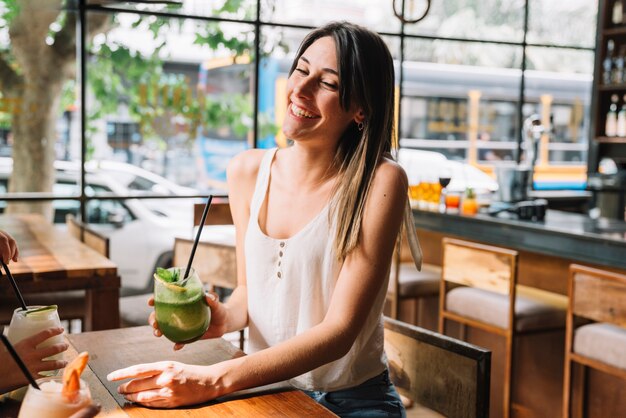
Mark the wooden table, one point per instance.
(51, 260)
(114, 349)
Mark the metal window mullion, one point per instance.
(82, 22)
(522, 87)
(257, 70)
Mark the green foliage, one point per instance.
(167, 275)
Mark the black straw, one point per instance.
(195, 243)
(12, 280)
(19, 361)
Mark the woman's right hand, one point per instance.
(33, 356)
(217, 327)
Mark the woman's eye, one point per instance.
(301, 70)
(329, 85)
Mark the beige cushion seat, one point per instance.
(493, 308)
(413, 283)
(602, 342)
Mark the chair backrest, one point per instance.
(219, 213)
(477, 265)
(74, 227)
(598, 295)
(441, 373)
(215, 262)
(90, 237)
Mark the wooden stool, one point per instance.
(479, 289)
(598, 296)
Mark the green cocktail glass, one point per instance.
(179, 305)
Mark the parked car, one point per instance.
(141, 231)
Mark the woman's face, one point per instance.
(313, 109)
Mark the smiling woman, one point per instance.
(313, 307)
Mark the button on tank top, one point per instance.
(290, 284)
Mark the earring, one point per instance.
(360, 126)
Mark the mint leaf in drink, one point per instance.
(165, 274)
(175, 275)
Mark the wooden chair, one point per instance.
(71, 303)
(479, 289)
(445, 375)
(408, 283)
(600, 297)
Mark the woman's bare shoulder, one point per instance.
(245, 165)
(390, 174)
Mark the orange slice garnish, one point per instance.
(71, 376)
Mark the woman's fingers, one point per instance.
(212, 299)
(139, 385)
(139, 370)
(50, 365)
(49, 351)
(147, 397)
(36, 339)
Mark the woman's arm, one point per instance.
(364, 271)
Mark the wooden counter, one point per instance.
(546, 248)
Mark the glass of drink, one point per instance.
(25, 323)
(50, 402)
(179, 305)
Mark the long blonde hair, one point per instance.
(366, 78)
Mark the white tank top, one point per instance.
(290, 285)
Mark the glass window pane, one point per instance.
(461, 101)
(497, 20)
(37, 95)
(373, 14)
(240, 10)
(553, 22)
(558, 90)
(176, 103)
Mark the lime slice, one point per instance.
(171, 286)
(42, 310)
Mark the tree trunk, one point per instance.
(34, 138)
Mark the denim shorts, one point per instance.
(376, 397)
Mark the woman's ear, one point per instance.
(359, 117)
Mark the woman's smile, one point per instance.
(301, 112)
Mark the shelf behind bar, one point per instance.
(610, 139)
(612, 87)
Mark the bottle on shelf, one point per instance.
(621, 120)
(610, 127)
(617, 14)
(618, 66)
(607, 64)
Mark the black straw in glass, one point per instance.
(195, 243)
(19, 361)
(12, 280)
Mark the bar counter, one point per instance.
(546, 248)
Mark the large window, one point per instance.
(159, 97)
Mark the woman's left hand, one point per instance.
(166, 384)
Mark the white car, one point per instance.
(141, 231)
